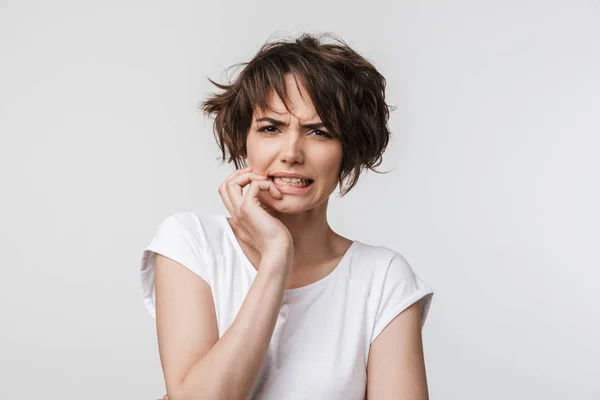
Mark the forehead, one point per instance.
(299, 102)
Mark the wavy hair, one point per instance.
(346, 90)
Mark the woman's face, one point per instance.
(277, 142)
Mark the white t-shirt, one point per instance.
(320, 345)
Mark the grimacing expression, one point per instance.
(279, 141)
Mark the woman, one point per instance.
(271, 303)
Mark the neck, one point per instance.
(314, 240)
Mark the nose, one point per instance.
(293, 151)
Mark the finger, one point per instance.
(276, 193)
(240, 171)
(224, 191)
(235, 187)
(256, 187)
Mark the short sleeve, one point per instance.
(401, 288)
(174, 239)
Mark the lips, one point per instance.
(288, 175)
(310, 181)
(290, 188)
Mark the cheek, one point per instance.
(258, 156)
(327, 171)
(330, 164)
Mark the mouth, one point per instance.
(292, 186)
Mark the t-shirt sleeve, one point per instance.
(175, 239)
(401, 288)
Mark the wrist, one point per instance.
(278, 264)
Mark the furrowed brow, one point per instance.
(276, 122)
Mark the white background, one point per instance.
(493, 198)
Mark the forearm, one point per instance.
(231, 366)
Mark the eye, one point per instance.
(322, 133)
(266, 129)
(273, 129)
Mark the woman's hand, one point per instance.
(269, 236)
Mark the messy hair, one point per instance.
(346, 90)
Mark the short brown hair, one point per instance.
(346, 90)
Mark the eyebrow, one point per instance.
(276, 122)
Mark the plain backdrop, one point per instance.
(493, 196)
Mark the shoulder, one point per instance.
(201, 230)
(383, 272)
(379, 260)
(192, 222)
(373, 265)
(395, 285)
(394, 265)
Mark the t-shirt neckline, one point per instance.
(317, 284)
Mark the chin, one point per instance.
(282, 208)
(287, 205)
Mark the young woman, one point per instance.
(271, 302)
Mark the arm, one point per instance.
(196, 364)
(396, 366)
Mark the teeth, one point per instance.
(293, 181)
